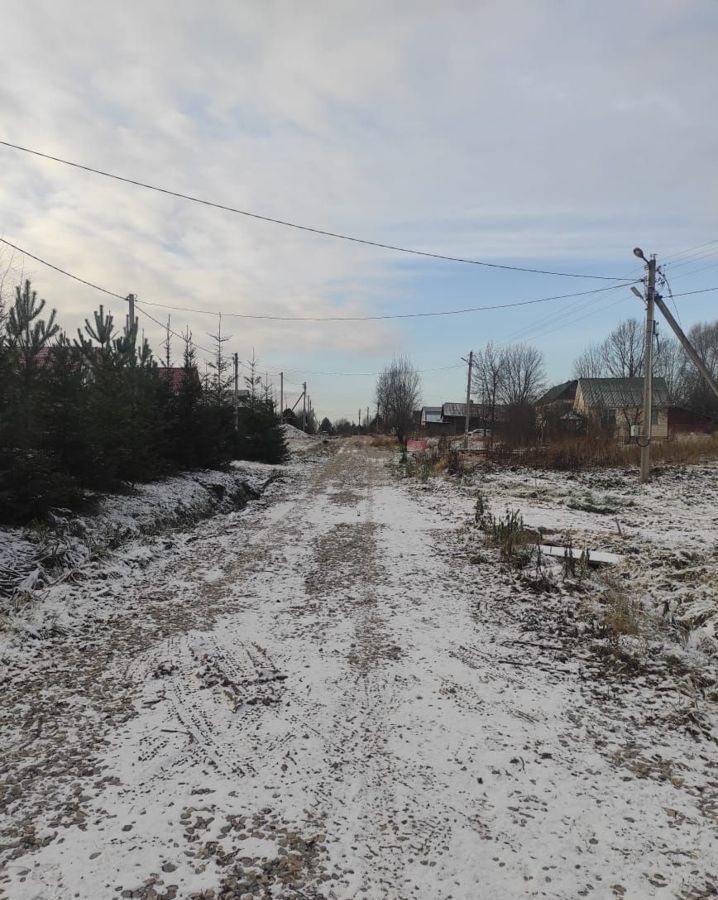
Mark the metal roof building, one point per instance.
(620, 393)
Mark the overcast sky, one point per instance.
(546, 134)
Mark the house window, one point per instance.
(654, 417)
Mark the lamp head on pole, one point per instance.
(638, 294)
(639, 253)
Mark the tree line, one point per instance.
(621, 355)
(508, 379)
(96, 412)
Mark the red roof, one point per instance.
(174, 374)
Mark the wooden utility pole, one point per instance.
(304, 407)
(468, 400)
(131, 311)
(281, 396)
(236, 391)
(647, 424)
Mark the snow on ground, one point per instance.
(34, 559)
(339, 692)
(295, 435)
(298, 440)
(666, 531)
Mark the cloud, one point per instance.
(517, 131)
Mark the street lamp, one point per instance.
(639, 253)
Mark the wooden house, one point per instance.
(616, 404)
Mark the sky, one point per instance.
(534, 133)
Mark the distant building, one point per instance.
(616, 404)
(453, 415)
(431, 422)
(613, 404)
(559, 398)
(555, 412)
(450, 418)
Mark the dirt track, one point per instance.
(319, 697)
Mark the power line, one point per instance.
(261, 317)
(163, 325)
(700, 291)
(664, 279)
(62, 271)
(311, 229)
(691, 260)
(141, 304)
(680, 253)
(390, 316)
(711, 265)
(370, 374)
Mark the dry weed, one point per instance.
(621, 615)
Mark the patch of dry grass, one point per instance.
(621, 614)
(601, 450)
(385, 441)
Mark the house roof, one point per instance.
(621, 393)
(433, 418)
(564, 391)
(173, 374)
(431, 410)
(459, 409)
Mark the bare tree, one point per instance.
(698, 396)
(397, 396)
(523, 375)
(489, 373)
(620, 355)
(671, 363)
(623, 350)
(590, 364)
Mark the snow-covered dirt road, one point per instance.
(319, 696)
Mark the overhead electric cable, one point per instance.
(371, 374)
(417, 315)
(138, 306)
(61, 271)
(389, 316)
(308, 228)
(672, 256)
(664, 280)
(165, 327)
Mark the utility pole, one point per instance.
(647, 425)
(359, 420)
(366, 421)
(281, 396)
(468, 400)
(236, 391)
(131, 302)
(304, 407)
